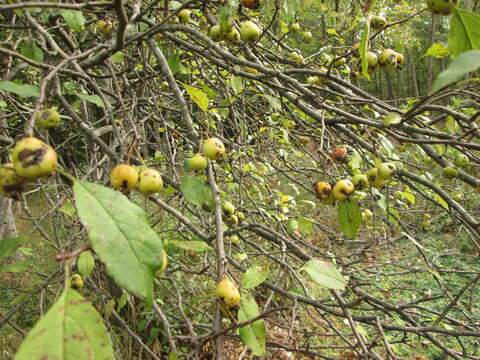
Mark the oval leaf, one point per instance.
(325, 274)
(254, 276)
(350, 218)
(85, 264)
(71, 329)
(392, 118)
(121, 236)
(462, 65)
(198, 96)
(253, 335)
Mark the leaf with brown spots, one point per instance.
(71, 329)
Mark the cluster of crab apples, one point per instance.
(342, 190)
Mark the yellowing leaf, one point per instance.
(198, 96)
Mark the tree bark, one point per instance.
(7, 224)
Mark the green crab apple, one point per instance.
(215, 33)
(233, 36)
(228, 293)
(442, 7)
(386, 170)
(307, 35)
(378, 22)
(343, 189)
(461, 160)
(388, 59)
(105, 27)
(360, 181)
(184, 16)
(198, 162)
(47, 118)
(149, 181)
(372, 59)
(249, 31)
(374, 179)
(240, 216)
(214, 149)
(450, 172)
(124, 177)
(232, 220)
(11, 185)
(32, 158)
(228, 208)
(76, 281)
(295, 27)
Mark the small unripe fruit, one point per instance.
(307, 35)
(378, 22)
(360, 181)
(249, 31)
(198, 162)
(367, 214)
(400, 60)
(426, 225)
(343, 189)
(228, 292)
(214, 149)
(76, 281)
(32, 158)
(233, 36)
(215, 33)
(295, 27)
(240, 216)
(184, 16)
(442, 7)
(124, 177)
(323, 190)
(47, 118)
(149, 181)
(374, 179)
(312, 80)
(461, 160)
(105, 27)
(386, 170)
(458, 197)
(388, 60)
(11, 185)
(228, 208)
(450, 172)
(234, 239)
(372, 60)
(232, 220)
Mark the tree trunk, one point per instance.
(7, 224)
(413, 71)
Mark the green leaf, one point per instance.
(74, 19)
(30, 50)
(325, 274)
(437, 50)
(237, 84)
(462, 65)
(117, 57)
(292, 226)
(121, 236)
(71, 329)
(94, 99)
(85, 264)
(23, 90)
(198, 246)
(305, 225)
(392, 118)
(8, 246)
(196, 192)
(198, 96)
(254, 276)
(350, 217)
(122, 301)
(464, 32)
(15, 267)
(253, 335)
